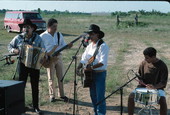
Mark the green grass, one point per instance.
(116, 72)
(118, 39)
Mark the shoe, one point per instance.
(64, 98)
(38, 111)
(52, 99)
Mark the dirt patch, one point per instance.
(134, 55)
(84, 106)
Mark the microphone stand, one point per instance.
(121, 94)
(6, 58)
(74, 58)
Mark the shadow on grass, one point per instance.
(44, 112)
(115, 108)
(88, 104)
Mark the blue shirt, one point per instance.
(17, 42)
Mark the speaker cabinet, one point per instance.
(12, 97)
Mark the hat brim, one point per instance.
(32, 25)
(101, 33)
(90, 31)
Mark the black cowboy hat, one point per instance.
(27, 22)
(96, 29)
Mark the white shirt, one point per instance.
(50, 41)
(101, 57)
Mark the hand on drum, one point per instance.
(149, 86)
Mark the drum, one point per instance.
(146, 96)
(32, 57)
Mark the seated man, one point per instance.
(154, 73)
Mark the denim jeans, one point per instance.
(97, 92)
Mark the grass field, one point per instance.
(123, 41)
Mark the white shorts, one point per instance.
(161, 93)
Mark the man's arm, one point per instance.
(164, 78)
(63, 43)
(163, 81)
(12, 46)
(104, 51)
(94, 66)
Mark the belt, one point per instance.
(97, 71)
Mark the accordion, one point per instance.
(32, 56)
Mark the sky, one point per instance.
(87, 6)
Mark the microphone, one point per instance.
(26, 32)
(86, 41)
(138, 76)
(8, 60)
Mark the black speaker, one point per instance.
(12, 97)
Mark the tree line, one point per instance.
(141, 12)
(48, 11)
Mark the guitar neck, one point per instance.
(64, 47)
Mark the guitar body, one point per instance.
(45, 61)
(87, 78)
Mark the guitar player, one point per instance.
(53, 41)
(96, 57)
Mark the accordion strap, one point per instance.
(32, 40)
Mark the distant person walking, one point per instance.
(136, 19)
(117, 20)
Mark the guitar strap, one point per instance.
(58, 36)
(97, 49)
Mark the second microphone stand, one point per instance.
(121, 94)
(74, 58)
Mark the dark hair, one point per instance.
(51, 21)
(150, 51)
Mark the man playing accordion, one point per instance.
(17, 46)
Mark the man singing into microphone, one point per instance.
(154, 73)
(99, 50)
(28, 37)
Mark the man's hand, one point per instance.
(149, 86)
(89, 68)
(70, 45)
(79, 69)
(16, 51)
